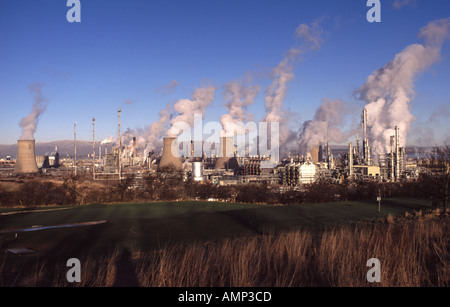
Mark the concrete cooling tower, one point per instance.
(168, 159)
(315, 154)
(227, 161)
(26, 157)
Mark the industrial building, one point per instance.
(391, 166)
(297, 173)
(323, 161)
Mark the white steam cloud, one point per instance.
(390, 89)
(187, 108)
(158, 128)
(325, 126)
(282, 74)
(110, 140)
(239, 95)
(29, 123)
(147, 138)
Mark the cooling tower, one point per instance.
(26, 158)
(315, 154)
(227, 161)
(168, 159)
(350, 159)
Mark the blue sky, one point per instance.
(129, 50)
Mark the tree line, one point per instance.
(169, 185)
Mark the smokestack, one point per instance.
(366, 154)
(168, 159)
(364, 123)
(392, 163)
(350, 158)
(227, 161)
(397, 153)
(357, 147)
(134, 150)
(26, 158)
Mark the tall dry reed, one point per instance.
(413, 252)
(411, 255)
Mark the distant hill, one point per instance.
(84, 148)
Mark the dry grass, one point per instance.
(411, 255)
(413, 251)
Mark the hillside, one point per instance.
(84, 148)
(65, 148)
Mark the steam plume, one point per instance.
(158, 128)
(29, 123)
(109, 140)
(282, 74)
(147, 138)
(389, 90)
(187, 108)
(325, 126)
(239, 96)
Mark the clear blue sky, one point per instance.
(127, 50)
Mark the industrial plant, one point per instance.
(111, 161)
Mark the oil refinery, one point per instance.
(111, 161)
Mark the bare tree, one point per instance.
(438, 176)
(165, 184)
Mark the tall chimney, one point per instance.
(134, 150)
(167, 158)
(357, 147)
(392, 164)
(397, 153)
(366, 148)
(26, 157)
(350, 158)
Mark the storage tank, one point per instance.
(26, 157)
(197, 171)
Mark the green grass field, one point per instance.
(154, 225)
